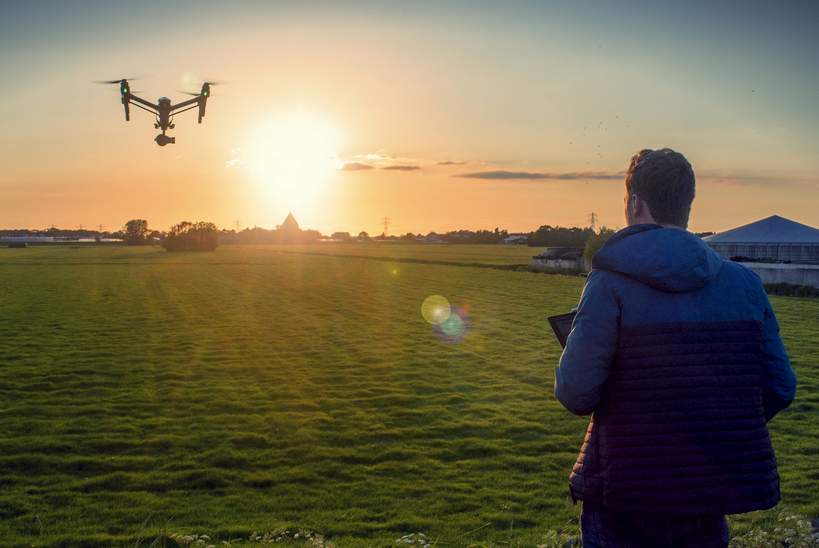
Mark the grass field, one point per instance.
(256, 388)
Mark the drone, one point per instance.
(163, 109)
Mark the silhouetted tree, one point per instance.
(595, 242)
(135, 231)
(186, 236)
(363, 235)
(558, 236)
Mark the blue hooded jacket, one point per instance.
(655, 269)
(666, 329)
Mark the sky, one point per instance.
(436, 115)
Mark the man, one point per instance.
(677, 354)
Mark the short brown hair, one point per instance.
(664, 179)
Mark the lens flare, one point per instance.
(435, 309)
(455, 327)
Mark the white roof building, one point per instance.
(516, 239)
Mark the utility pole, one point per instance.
(386, 225)
(99, 228)
(237, 225)
(593, 220)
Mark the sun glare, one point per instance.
(292, 157)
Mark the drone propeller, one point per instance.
(189, 93)
(113, 81)
(216, 83)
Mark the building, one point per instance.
(567, 259)
(778, 250)
(289, 226)
(771, 240)
(516, 239)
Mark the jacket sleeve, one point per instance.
(778, 377)
(590, 347)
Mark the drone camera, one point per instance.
(163, 140)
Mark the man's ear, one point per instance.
(637, 205)
(641, 209)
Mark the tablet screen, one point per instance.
(562, 326)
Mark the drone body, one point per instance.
(164, 110)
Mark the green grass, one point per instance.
(262, 387)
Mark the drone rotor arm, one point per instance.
(149, 104)
(136, 104)
(190, 107)
(186, 103)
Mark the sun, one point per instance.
(292, 157)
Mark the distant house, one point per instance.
(289, 227)
(516, 239)
(568, 259)
(432, 238)
(289, 232)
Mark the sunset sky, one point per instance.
(438, 115)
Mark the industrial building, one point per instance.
(771, 240)
(777, 249)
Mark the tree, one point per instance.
(186, 236)
(558, 236)
(363, 235)
(595, 242)
(135, 231)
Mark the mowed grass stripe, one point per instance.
(285, 389)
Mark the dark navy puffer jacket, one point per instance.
(677, 354)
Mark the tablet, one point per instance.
(562, 326)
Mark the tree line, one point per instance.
(206, 236)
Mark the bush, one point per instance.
(791, 290)
(185, 236)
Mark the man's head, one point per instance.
(659, 188)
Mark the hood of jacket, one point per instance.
(668, 259)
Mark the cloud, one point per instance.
(374, 157)
(750, 178)
(355, 166)
(530, 176)
(235, 160)
(452, 163)
(402, 167)
(379, 160)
